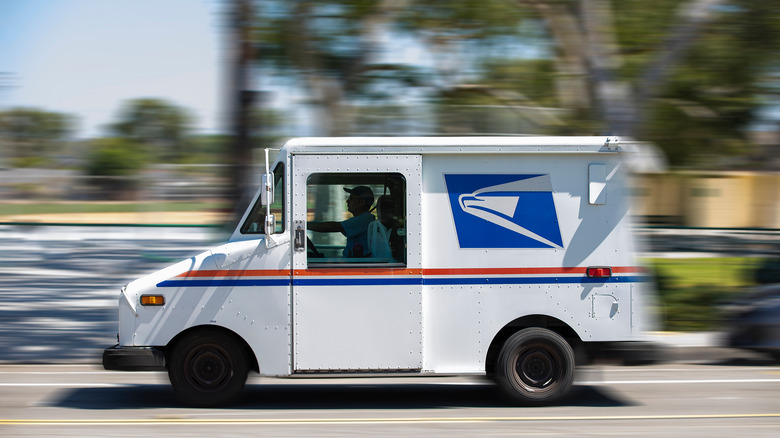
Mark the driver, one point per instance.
(355, 228)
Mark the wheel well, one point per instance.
(253, 365)
(542, 321)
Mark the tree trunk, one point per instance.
(241, 101)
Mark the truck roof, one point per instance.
(449, 145)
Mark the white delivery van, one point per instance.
(500, 256)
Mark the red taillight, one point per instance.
(599, 272)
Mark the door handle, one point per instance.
(299, 243)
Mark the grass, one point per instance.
(692, 290)
(721, 272)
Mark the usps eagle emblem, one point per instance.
(504, 211)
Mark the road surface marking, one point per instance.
(69, 385)
(675, 381)
(320, 421)
(587, 382)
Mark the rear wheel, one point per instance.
(535, 366)
(208, 368)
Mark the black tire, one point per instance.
(208, 368)
(535, 367)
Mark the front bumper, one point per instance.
(133, 359)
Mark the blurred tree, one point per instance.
(475, 78)
(114, 164)
(241, 100)
(30, 137)
(206, 149)
(332, 49)
(583, 57)
(702, 114)
(156, 124)
(683, 73)
(115, 157)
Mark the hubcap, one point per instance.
(209, 368)
(536, 368)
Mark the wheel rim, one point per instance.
(209, 368)
(537, 368)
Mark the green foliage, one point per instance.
(462, 19)
(641, 30)
(307, 36)
(114, 164)
(691, 291)
(206, 149)
(115, 157)
(30, 136)
(533, 79)
(712, 99)
(161, 127)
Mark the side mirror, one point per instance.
(266, 199)
(267, 187)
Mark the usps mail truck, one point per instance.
(508, 257)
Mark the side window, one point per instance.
(256, 219)
(356, 218)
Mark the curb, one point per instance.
(690, 347)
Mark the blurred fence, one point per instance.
(161, 182)
(722, 199)
(725, 199)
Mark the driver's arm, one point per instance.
(326, 227)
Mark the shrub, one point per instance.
(114, 164)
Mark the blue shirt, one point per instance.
(356, 230)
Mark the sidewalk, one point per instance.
(692, 347)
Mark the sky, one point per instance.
(87, 57)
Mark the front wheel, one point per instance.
(535, 366)
(208, 368)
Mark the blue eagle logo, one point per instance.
(504, 211)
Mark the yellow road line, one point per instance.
(411, 420)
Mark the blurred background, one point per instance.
(151, 115)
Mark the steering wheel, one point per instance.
(311, 250)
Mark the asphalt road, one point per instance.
(660, 400)
(58, 295)
(59, 285)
